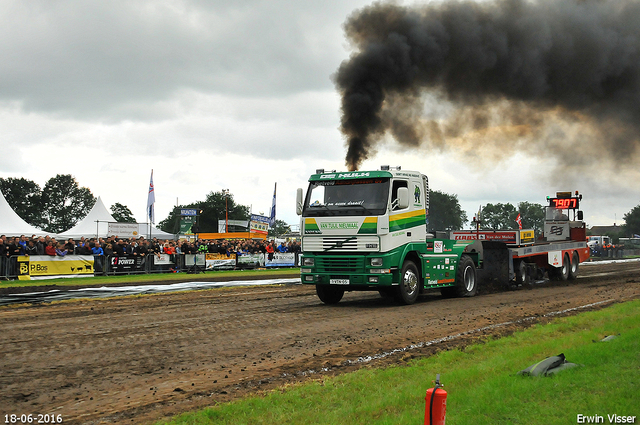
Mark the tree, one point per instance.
(24, 196)
(64, 202)
(632, 220)
(216, 206)
(213, 208)
(445, 212)
(280, 228)
(498, 216)
(122, 213)
(532, 216)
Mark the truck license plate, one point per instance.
(339, 281)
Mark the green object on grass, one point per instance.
(548, 366)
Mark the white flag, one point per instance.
(151, 200)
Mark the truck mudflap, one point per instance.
(495, 264)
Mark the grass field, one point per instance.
(155, 277)
(481, 380)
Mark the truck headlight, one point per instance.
(376, 262)
(307, 261)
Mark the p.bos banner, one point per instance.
(45, 266)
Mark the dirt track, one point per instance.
(137, 359)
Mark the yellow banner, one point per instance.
(45, 265)
(221, 257)
(526, 236)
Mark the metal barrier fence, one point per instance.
(99, 265)
(8, 267)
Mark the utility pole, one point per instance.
(225, 192)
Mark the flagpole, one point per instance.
(151, 200)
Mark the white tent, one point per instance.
(12, 225)
(96, 223)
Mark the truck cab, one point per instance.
(367, 230)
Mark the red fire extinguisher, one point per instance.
(436, 401)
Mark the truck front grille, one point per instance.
(341, 244)
(339, 265)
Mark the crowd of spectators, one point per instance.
(113, 245)
(239, 247)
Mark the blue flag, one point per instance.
(272, 217)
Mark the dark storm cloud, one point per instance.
(564, 75)
(114, 59)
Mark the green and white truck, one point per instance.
(367, 230)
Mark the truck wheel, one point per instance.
(329, 294)
(563, 272)
(466, 282)
(522, 278)
(407, 292)
(573, 271)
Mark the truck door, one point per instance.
(411, 219)
(397, 184)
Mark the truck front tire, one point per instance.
(329, 294)
(407, 292)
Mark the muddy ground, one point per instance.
(138, 359)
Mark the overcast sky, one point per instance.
(218, 95)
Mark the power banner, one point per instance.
(126, 264)
(45, 266)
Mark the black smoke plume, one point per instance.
(558, 78)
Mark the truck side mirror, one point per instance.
(580, 215)
(403, 198)
(299, 201)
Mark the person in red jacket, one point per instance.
(270, 250)
(50, 249)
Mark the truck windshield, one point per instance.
(556, 214)
(347, 197)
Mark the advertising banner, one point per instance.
(195, 260)
(220, 261)
(527, 236)
(511, 237)
(251, 261)
(43, 266)
(123, 230)
(126, 264)
(259, 224)
(162, 260)
(186, 223)
(222, 225)
(281, 259)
